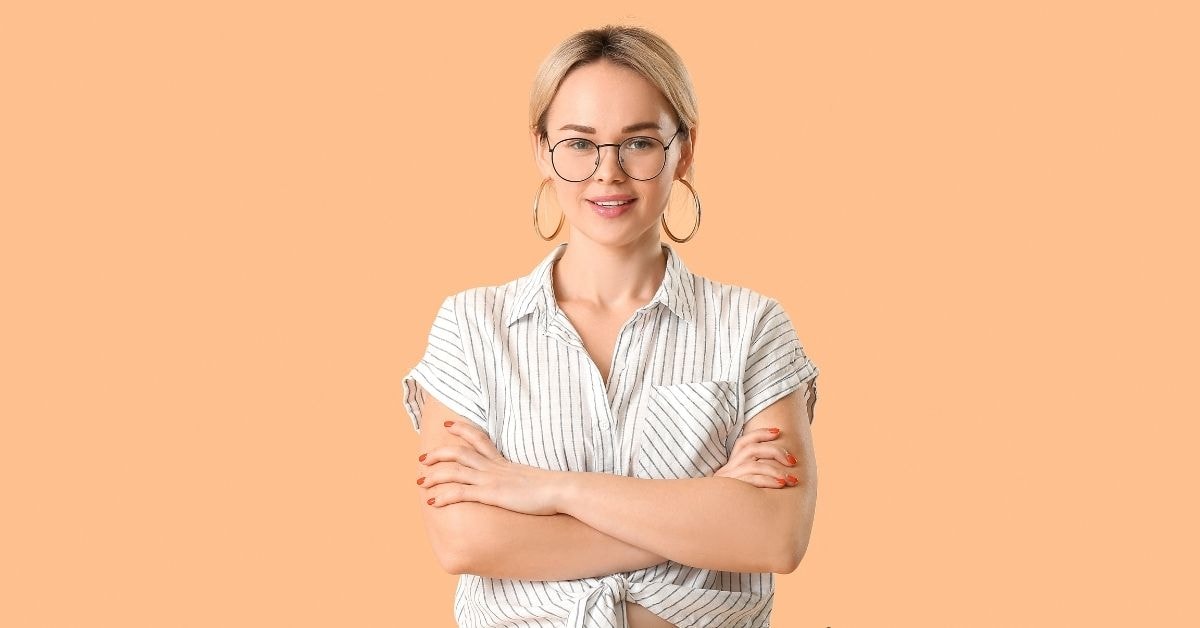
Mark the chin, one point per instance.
(615, 236)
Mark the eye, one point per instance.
(639, 143)
(579, 145)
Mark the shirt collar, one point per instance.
(677, 291)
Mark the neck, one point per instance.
(609, 277)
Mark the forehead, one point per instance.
(607, 96)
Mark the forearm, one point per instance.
(498, 543)
(715, 523)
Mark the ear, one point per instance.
(687, 151)
(541, 154)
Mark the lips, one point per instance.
(612, 198)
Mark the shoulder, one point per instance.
(480, 299)
(482, 308)
(734, 305)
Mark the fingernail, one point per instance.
(774, 430)
(422, 458)
(420, 480)
(781, 481)
(791, 459)
(793, 479)
(449, 423)
(430, 501)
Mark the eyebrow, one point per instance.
(629, 129)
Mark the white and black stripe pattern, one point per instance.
(690, 368)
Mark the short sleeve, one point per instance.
(776, 363)
(444, 372)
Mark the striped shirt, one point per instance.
(690, 368)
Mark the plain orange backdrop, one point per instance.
(227, 226)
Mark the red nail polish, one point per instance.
(420, 480)
(781, 481)
(791, 459)
(793, 479)
(430, 501)
(422, 458)
(774, 430)
(448, 423)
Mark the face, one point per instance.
(604, 102)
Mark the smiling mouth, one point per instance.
(611, 209)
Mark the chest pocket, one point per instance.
(686, 430)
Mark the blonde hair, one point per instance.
(631, 46)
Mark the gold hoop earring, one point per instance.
(537, 227)
(696, 203)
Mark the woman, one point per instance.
(615, 440)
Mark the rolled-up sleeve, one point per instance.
(776, 363)
(445, 372)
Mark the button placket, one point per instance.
(621, 429)
(606, 431)
(556, 325)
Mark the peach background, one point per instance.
(227, 226)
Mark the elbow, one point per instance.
(793, 535)
(453, 563)
(450, 545)
(465, 539)
(449, 556)
(790, 556)
(453, 558)
(785, 554)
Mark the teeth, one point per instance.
(611, 203)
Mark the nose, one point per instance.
(609, 169)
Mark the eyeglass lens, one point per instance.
(577, 159)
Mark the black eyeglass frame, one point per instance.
(621, 162)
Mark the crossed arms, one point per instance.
(608, 523)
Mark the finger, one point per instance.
(750, 439)
(772, 468)
(465, 456)
(762, 481)
(771, 451)
(476, 437)
(768, 468)
(739, 457)
(447, 494)
(757, 436)
(447, 472)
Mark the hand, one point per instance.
(758, 462)
(479, 473)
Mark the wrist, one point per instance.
(564, 487)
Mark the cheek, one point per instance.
(655, 197)
(570, 196)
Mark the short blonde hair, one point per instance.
(631, 46)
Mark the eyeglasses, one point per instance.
(576, 159)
